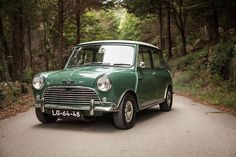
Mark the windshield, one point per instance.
(114, 55)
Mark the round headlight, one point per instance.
(104, 83)
(38, 82)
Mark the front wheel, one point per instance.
(43, 117)
(125, 117)
(167, 104)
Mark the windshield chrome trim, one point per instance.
(106, 43)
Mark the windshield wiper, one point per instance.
(72, 66)
(121, 64)
(96, 63)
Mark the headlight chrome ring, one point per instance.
(104, 83)
(38, 82)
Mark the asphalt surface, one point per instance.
(190, 129)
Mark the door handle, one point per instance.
(154, 73)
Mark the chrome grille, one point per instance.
(69, 96)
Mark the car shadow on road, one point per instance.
(101, 124)
(148, 114)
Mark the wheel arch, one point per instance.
(167, 87)
(131, 92)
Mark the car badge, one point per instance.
(68, 81)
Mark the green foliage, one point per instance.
(233, 71)
(128, 27)
(69, 33)
(186, 77)
(135, 28)
(191, 75)
(206, 89)
(99, 25)
(142, 7)
(196, 60)
(10, 92)
(27, 76)
(220, 59)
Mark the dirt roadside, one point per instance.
(23, 104)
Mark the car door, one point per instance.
(147, 84)
(160, 73)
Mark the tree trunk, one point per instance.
(78, 24)
(44, 45)
(213, 26)
(30, 45)
(21, 41)
(160, 15)
(180, 20)
(6, 53)
(169, 32)
(183, 38)
(47, 62)
(15, 47)
(61, 29)
(18, 42)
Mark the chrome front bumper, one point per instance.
(93, 107)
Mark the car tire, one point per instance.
(43, 117)
(167, 104)
(125, 117)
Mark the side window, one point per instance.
(145, 56)
(157, 62)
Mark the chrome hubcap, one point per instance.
(168, 98)
(129, 110)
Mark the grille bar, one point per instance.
(70, 96)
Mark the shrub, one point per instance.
(232, 72)
(220, 59)
(2, 73)
(11, 91)
(27, 76)
(1, 96)
(186, 77)
(192, 61)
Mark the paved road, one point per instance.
(190, 129)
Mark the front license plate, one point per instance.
(66, 113)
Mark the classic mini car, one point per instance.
(116, 76)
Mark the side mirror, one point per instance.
(141, 65)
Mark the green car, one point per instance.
(101, 77)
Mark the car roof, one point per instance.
(119, 41)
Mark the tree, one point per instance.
(80, 8)
(30, 22)
(180, 15)
(47, 33)
(145, 7)
(99, 25)
(128, 26)
(61, 30)
(18, 40)
(78, 12)
(6, 54)
(169, 30)
(208, 12)
(205, 12)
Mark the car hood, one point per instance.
(82, 76)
